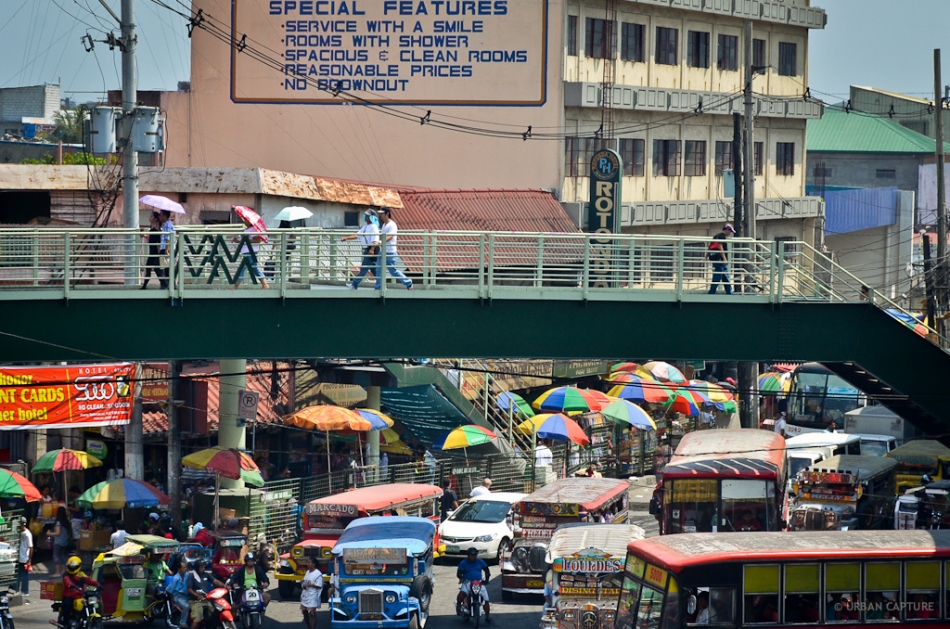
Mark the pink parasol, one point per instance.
(252, 219)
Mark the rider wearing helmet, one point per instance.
(200, 583)
(471, 569)
(251, 575)
(74, 588)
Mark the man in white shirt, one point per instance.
(543, 455)
(25, 560)
(368, 236)
(389, 231)
(780, 424)
(482, 490)
(118, 538)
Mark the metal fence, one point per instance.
(10, 534)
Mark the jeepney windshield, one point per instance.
(380, 562)
(327, 521)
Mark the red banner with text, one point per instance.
(65, 397)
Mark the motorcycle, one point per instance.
(222, 618)
(161, 607)
(87, 617)
(6, 620)
(250, 607)
(468, 610)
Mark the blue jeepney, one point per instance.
(382, 573)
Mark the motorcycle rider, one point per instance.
(200, 583)
(74, 589)
(251, 575)
(471, 569)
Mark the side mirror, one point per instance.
(691, 604)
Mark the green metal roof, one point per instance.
(840, 132)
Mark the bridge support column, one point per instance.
(372, 437)
(231, 431)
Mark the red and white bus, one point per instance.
(836, 578)
(723, 480)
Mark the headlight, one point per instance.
(484, 538)
(5, 600)
(350, 598)
(390, 598)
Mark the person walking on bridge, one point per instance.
(393, 262)
(368, 235)
(718, 254)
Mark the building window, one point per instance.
(631, 48)
(572, 35)
(631, 150)
(698, 49)
(666, 158)
(787, 59)
(758, 53)
(351, 219)
(728, 53)
(601, 39)
(695, 165)
(785, 159)
(757, 149)
(666, 46)
(723, 157)
(885, 173)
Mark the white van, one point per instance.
(876, 445)
(839, 442)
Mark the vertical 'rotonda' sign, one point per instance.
(606, 168)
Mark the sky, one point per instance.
(881, 43)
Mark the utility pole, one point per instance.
(130, 167)
(928, 280)
(737, 168)
(174, 437)
(748, 372)
(134, 458)
(941, 266)
(749, 232)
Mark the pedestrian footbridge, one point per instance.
(74, 295)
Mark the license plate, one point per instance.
(133, 592)
(534, 583)
(451, 548)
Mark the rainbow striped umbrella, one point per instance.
(121, 492)
(570, 399)
(557, 426)
(712, 392)
(226, 462)
(628, 366)
(642, 390)
(624, 412)
(464, 437)
(687, 402)
(379, 421)
(774, 383)
(12, 485)
(664, 372)
(509, 400)
(64, 460)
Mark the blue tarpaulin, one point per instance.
(862, 208)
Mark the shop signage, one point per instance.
(375, 555)
(313, 508)
(97, 448)
(65, 397)
(606, 168)
(580, 368)
(281, 494)
(154, 380)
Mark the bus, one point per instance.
(723, 480)
(822, 578)
(818, 397)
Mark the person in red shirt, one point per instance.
(74, 589)
(749, 523)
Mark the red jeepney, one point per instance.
(324, 519)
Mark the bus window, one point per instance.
(722, 606)
(922, 582)
(747, 505)
(842, 588)
(760, 594)
(801, 593)
(629, 597)
(671, 613)
(651, 604)
(883, 585)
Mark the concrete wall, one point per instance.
(15, 152)
(860, 170)
(34, 101)
(880, 257)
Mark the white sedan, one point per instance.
(481, 523)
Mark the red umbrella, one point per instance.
(252, 219)
(12, 485)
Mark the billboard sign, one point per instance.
(606, 168)
(76, 396)
(392, 52)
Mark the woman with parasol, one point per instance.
(252, 241)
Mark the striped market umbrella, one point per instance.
(226, 462)
(570, 399)
(628, 367)
(663, 372)
(65, 460)
(774, 383)
(12, 485)
(464, 437)
(624, 412)
(712, 392)
(121, 492)
(642, 390)
(509, 400)
(379, 421)
(687, 402)
(557, 426)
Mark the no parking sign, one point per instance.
(247, 404)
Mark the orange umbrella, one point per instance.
(326, 418)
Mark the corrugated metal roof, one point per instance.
(852, 210)
(840, 132)
(483, 210)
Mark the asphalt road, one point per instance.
(522, 613)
